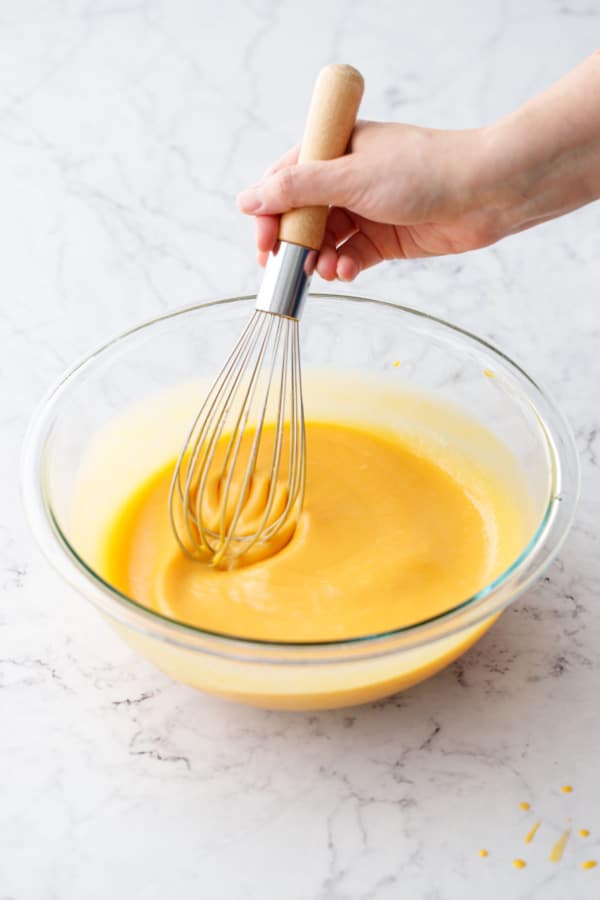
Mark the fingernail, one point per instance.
(250, 200)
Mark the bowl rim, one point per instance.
(549, 535)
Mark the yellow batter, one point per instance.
(387, 539)
(411, 507)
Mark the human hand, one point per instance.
(404, 191)
(400, 192)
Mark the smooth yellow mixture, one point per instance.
(388, 537)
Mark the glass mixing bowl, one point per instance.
(351, 336)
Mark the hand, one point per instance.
(404, 191)
(400, 192)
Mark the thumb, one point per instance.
(326, 183)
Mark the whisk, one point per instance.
(238, 486)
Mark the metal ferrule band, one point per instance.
(286, 280)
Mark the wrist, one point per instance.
(499, 181)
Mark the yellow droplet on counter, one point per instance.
(396, 363)
(524, 805)
(531, 834)
(567, 789)
(483, 853)
(589, 864)
(519, 863)
(583, 832)
(488, 373)
(557, 851)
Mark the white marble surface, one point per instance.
(125, 130)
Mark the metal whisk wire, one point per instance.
(268, 350)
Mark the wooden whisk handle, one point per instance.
(329, 124)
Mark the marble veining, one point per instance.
(126, 129)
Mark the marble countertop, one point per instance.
(126, 129)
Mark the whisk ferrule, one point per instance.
(286, 281)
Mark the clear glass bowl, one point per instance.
(352, 335)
